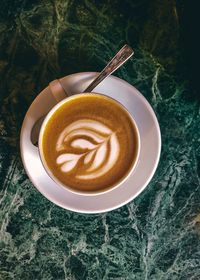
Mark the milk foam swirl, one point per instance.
(99, 144)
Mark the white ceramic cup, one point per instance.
(49, 172)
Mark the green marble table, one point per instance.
(156, 236)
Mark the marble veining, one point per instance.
(156, 236)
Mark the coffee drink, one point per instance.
(89, 143)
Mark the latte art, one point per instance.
(89, 143)
(101, 143)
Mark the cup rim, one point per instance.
(45, 165)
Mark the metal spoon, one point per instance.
(118, 60)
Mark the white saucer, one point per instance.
(149, 131)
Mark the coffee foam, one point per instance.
(99, 144)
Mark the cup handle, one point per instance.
(57, 90)
(58, 94)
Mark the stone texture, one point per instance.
(156, 236)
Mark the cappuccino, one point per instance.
(89, 143)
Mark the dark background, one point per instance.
(156, 236)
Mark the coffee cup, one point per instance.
(89, 144)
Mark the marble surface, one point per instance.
(156, 236)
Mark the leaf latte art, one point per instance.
(98, 143)
(89, 143)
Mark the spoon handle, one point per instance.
(119, 59)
